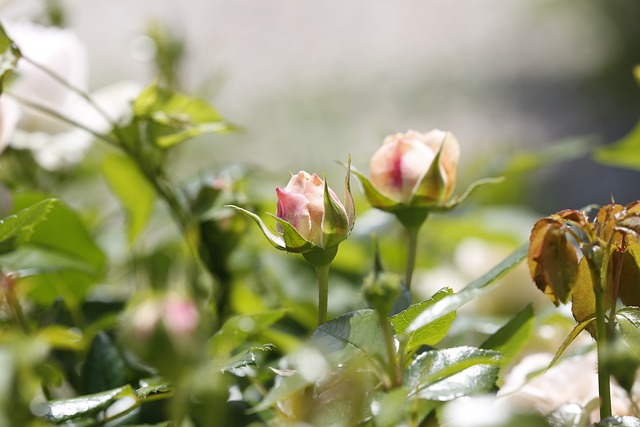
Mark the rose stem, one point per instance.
(412, 249)
(599, 279)
(322, 271)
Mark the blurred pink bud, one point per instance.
(403, 168)
(179, 317)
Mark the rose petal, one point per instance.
(294, 208)
(399, 164)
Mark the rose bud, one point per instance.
(310, 216)
(413, 169)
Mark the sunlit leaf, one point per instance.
(583, 300)
(154, 385)
(61, 337)
(22, 223)
(478, 287)
(59, 411)
(429, 334)
(356, 333)
(247, 357)
(9, 56)
(453, 372)
(629, 320)
(174, 117)
(132, 188)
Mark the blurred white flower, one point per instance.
(9, 116)
(574, 380)
(62, 52)
(56, 144)
(64, 149)
(475, 411)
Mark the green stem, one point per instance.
(322, 271)
(412, 250)
(72, 88)
(20, 318)
(604, 385)
(51, 112)
(394, 373)
(599, 279)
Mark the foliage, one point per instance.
(161, 305)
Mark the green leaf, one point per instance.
(478, 287)
(63, 232)
(583, 300)
(70, 285)
(624, 153)
(22, 223)
(60, 411)
(335, 223)
(174, 117)
(569, 339)
(61, 338)
(246, 358)
(293, 240)
(154, 385)
(288, 387)
(237, 329)
(458, 200)
(132, 188)
(453, 372)
(629, 320)
(513, 336)
(432, 187)
(430, 333)
(276, 240)
(104, 368)
(9, 56)
(358, 333)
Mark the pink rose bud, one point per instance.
(310, 216)
(301, 204)
(416, 168)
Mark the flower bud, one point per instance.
(311, 219)
(302, 204)
(417, 169)
(382, 290)
(165, 331)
